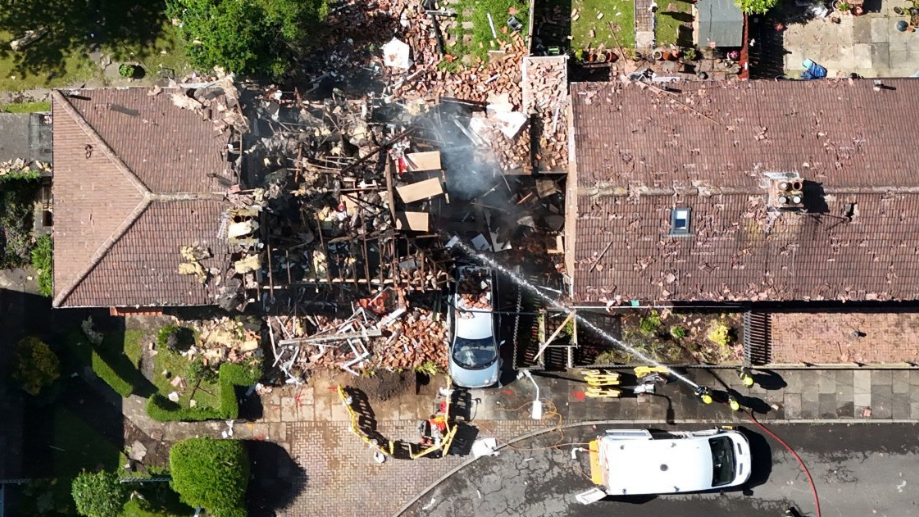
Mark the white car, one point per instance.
(474, 351)
(638, 462)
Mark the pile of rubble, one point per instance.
(382, 332)
(20, 166)
(224, 340)
(545, 99)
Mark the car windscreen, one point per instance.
(475, 354)
(722, 460)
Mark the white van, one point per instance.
(638, 462)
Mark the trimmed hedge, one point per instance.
(111, 377)
(212, 474)
(231, 375)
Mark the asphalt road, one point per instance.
(861, 470)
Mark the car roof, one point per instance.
(474, 325)
(656, 466)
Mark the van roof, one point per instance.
(646, 466)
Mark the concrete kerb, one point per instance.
(811, 421)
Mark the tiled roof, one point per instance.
(639, 155)
(133, 182)
(838, 133)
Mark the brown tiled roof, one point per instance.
(839, 133)
(639, 154)
(133, 182)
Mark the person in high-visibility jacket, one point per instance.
(746, 377)
(704, 394)
(733, 403)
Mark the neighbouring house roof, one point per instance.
(135, 179)
(25, 136)
(642, 152)
(720, 23)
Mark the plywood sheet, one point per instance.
(421, 190)
(428, 161)
(414, 221)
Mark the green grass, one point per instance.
(26, 107)
(115, 361)
(82, 448)
(208, 392)
(125, 30)
(670, 18)
(620, 12)
(482, 38)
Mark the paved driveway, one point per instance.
(862, 469)
(867, 45)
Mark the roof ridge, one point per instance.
(129, 175)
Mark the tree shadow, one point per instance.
(276, 479)
(76, 27)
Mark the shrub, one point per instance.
(649, 324)
(756, 6)
(720, 333)
(677, 332)
(16, 206)
(41, 261)
(37, 366)
(110, 375)
(210, 473)
(126, 70)
(428, 368)
(99, 495)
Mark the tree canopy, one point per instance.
(36, 366)
(210, 473)
(246, 36)
(756, 6)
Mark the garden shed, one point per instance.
(719, 23)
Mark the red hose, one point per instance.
(793, 453)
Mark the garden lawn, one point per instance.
(482, 39)
(79, 447)
(26, 107)
(620, 12)
(207, 393)
(71, 66)
(671, 16)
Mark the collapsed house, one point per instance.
(141, 185)
(749, 191)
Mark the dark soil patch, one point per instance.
(385, 385)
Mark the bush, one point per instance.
(41, 261)
(720, 334)
(37, 366)
(16, 206)
(756, 6)
(210, 473)
(230, 375)
(677, 332)
(99, 495)
(111, 376)
(649, 324)
(126, 70)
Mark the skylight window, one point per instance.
(679, 221)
